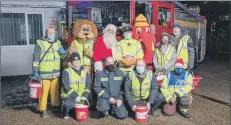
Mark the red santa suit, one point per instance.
(104, 46)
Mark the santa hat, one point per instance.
(179, 63)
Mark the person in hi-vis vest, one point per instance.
(76, 85)
(46, 67)
(184, 46)
(128, 51)
(165, 56)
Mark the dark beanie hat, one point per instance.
(177, 25)
(75, 56)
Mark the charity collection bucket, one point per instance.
(141, 114)
(160, 79)
(81, 112)
(196, 82)
(35, 89)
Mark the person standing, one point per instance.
(128, 51)
(46, 67)
(185, 47)
(165, 55)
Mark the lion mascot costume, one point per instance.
(143, 32)
(84, 32)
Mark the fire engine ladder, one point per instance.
(178, 6)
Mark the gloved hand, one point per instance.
(36, 75)
(83, 98)
(78, 99)
(190, 70)
(163, 71)
(173, 99)
(62, 51)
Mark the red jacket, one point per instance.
(100, 50)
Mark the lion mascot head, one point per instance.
(84, 32)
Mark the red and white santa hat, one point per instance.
(111, 27)
(179, 63)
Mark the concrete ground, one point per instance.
(203, 112)
(215, 84)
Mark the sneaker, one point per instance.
(45, 114)
(66, 116)
(185, 114)
(156, 113)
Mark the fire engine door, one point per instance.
(162, 18)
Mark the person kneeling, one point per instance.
(76, 85)
(176, 88)
(141, 88)
(108, 86)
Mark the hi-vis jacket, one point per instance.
(85, 60)
(130, 47)
(140, 87)
(109, 84)
(183, 84)
(185, 50)
(165, 61)
(49, 67)
(75, 83)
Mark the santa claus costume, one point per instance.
(104, 46)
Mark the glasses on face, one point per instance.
(177, 67)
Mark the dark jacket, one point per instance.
(109, 82)
(128, 88)
(66, 83)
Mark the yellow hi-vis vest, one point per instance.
(130, 47)
(141, 90)
(77, 83)
(163, 60)
(51, 61)
(182, 50)
(85, 60)
(168, 89)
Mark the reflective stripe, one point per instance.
(117, 78)
(103, 79)
(86, 90)
(63, 95)
(72, 90)
(51, 60)
(101, 93)
(182, 91)
(35, 63)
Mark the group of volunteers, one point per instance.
(116, 71)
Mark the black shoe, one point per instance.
(45, 114)
(185, 114)
(156, 113)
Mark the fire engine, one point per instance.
(162, 14)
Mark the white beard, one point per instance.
(109, 40)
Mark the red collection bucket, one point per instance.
(160, 79)
(35, 89)
(196, 82)
(81, 112)
(141, 113)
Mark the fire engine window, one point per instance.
(164, 17)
